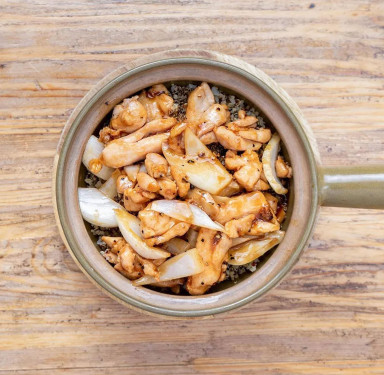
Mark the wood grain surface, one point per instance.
(327, 317)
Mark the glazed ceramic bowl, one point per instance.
(310, 187)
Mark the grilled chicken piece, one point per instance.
(209, 138)
(108, 134)
(120, 152)
(157, 165)
(177, 230)
(215, 115)
(154, 223)
(247, 166)
(123, 182)
(133, 264)
(139, 195)
(199, 100)
(257, 135)
(114, 243)
(282, 169)
(205, 201)
(261, 227)
(126, 260)
(244, 120)
(248, 175)
(129, 115)
(131, 206)
(244, 204)
(212, 247)
(148, 183)
(238, 227)
(155, 126)
(232, 141)
(168, 188)
(157, 102)
(181, 181)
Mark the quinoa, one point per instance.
(180, 95)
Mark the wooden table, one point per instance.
(327, 317)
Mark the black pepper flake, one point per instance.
(191, 161)
(202, 240)
(202, 283)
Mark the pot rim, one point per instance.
(281, 98)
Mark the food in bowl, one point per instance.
(186, 188)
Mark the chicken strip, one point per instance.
(114, 243)
(238, 227)
(181, 180)
(232, 141)
(212, 247)
(154, 223)
(134, 265)
(129, 115)
(261, 227)
(242, 205)
(257, 135)
(177, 230)
(131, 206)
(126, 260)
(157, 165)
(244, 120)
(120, 153)
(199, 100)
(139, 195)
(208, 138)
(215, 115)
(168, 188)
(123, 182)
(282, 169)
(155, 126)
(157, 102)
(148, 183)
(247, 166)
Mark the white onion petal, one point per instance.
(176, 246)
(253, 249)
(97, 208)
(93, 150)
(177, 209)
(183, 265)
(109, 187)
(202, 168)
(269, 160)
(186, 212)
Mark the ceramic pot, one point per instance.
(312, 185)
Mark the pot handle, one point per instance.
(357, 186)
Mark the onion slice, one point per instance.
(129, 226)
(177, 209)
(251, 250)
(202, 168)
(176, 246)
(269, 160)
(109, 187)
(182, 265)
(186, 212)
(97, 208)
(93, 150)
(192, 237)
